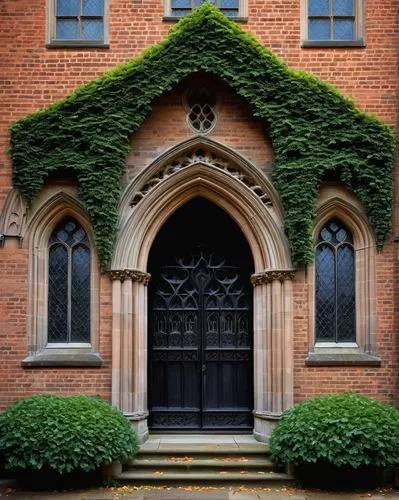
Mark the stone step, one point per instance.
(199, 459)
(206, 449)
(203, 476)
(204, 461)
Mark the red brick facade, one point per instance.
(33, 76)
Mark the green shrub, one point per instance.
(64, 433)
(344, 429)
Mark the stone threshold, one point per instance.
(224, 443)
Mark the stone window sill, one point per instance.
(336, 356)
(308, 44)
(174, 19)
(77, 44)
(71, 359)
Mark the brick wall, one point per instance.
(378, 382)
(166, 126)
(15, 381)
(32, 76)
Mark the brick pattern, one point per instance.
(15, 381)
(32, 76)
(378, 382)
(166, 126)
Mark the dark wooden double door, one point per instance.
(200, 345)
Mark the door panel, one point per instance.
(200, 362)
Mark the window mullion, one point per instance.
(331, 9)
(69, 309)
(80, 20)
(336, 294)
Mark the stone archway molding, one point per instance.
(206, 169)
(201, 167)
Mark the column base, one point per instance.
(264, 424)
(139, 422)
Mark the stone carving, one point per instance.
(269, 276)
(239, 419)
(13, 217)
(207, 157)
(132, 274)
(176, 419)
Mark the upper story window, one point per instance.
(333, 23)
(180, 8)
(77, 23)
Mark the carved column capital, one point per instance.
(132, 274)
(269, 276)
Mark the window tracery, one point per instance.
(201, 114)
(69, 284)
(335, 284)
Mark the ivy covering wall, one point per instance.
(316, 131)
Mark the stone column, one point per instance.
(273, 350)
(129, 346)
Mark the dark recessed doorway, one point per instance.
(200, 323)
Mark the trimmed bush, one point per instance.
(75, 433)
(342, 430)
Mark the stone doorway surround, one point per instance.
(202, 167)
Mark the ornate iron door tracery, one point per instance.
(200, 366)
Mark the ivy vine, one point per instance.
(315, 130)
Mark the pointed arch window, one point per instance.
(335, 284)
(69, 269)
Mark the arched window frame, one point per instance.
(336, 203)
(51, 207)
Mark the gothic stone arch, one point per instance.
(207, 169)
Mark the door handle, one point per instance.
(203, 368)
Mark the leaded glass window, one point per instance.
(201, 114)
(180, 8)
(79, 20)
(69, 284)
(335, 284)
(333, 20)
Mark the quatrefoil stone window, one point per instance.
(201, 114)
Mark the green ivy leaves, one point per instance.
(315, 130)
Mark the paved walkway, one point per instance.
(193, 442)
(195, 493)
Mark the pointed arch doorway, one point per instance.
(200, 366)
(200, 167)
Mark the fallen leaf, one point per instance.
(180, 459)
